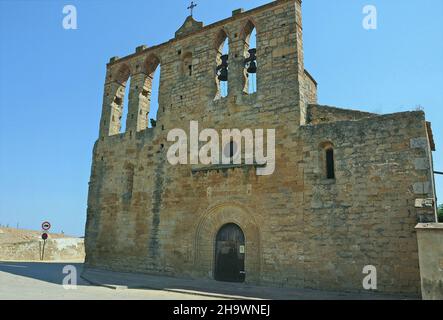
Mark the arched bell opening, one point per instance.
(249, 36)
(119, 100)
(151, 89)
(222, 65)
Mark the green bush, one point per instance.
(440, 213)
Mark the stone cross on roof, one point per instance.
(191, 7)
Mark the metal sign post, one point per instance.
(45, 227)
(44, 237)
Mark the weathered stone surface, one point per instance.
(301, 229)
(430, 249)
(65, 249)
(321, 114)
(421, 142)
(189, 26)
(421, 163)
(422, 187)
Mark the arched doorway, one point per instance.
(230, 254)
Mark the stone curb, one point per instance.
(190, 292)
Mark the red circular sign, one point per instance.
(46, 226)
(44, 236)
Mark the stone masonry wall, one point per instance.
(366, 215)
(66, 249)
(301, 230)
(113, 212)
(317, 114)
(430, 251)
(310, 88)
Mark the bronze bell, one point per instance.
(250, 62)
(222, 69)
(252, 67)
(223, 76)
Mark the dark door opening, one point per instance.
(230, 254)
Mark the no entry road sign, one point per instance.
(46, 226)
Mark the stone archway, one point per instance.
(208, 227)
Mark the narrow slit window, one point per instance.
(330, 172)
(186, 64)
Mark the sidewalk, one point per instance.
(225, 290)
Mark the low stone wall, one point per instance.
(65, 249)
(430, 252)
(317, 114)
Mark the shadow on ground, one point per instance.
(212, 288)
(51, 272)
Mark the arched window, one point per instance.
(329, 156)
(151, 90)
(249, 36)
(222, 62)
(327, 160)
(125, 107)
(120, 100)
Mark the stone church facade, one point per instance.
(343, 195)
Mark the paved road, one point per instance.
(33, 280)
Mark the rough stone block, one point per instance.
(421, 143)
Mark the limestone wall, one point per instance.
(280, 71)
(367, 214)
(301, 229)
(430, 251)
(65, 249)
(317, 114)
(310, 88)
(137, 202)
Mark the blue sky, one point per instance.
(51, 81)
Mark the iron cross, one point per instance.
(191, 7)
